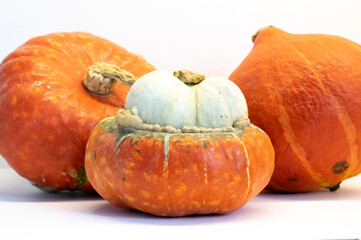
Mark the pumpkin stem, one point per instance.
(256, 34)
(101, 77)
(335, 188)
(189, 77)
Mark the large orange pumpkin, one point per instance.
(304, 91)
(46, 113)
(146, 158)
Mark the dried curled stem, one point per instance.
(125, 118)
(101, 77)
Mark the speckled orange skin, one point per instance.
(178, 174)
(304, 91)
(44, 127)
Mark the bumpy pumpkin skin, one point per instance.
(178, 174)
(46, 115)
(304, 92)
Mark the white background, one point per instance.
(210, 37)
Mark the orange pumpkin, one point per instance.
(174, 171)
(304, 91)
(46, 113)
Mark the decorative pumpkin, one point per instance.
(179, 148)
(46, 111)
(304, 91)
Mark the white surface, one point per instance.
(3, 163)
(26, 211)
(208, 36)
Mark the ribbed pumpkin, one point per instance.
(304, 91)
(46, 111)
(180, 149)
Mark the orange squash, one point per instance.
(304, 91)
(171, 170)
(46, 113)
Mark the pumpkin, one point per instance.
(303, 90)
(183, 145)
(48, 109)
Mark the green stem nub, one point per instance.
(335, 188)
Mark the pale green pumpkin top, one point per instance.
(161, 98)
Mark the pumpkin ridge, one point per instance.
(205, 177)
(345, 120)
(247, 169)
(203, 149)
(166, 169)
(291, 138)
(166, 147)
(289, 134)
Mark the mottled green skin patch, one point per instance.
(108, 124)
(95, 155)
(340, 167)
(81, 180)
(45, 189)
(134, 143)
(204, 143)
